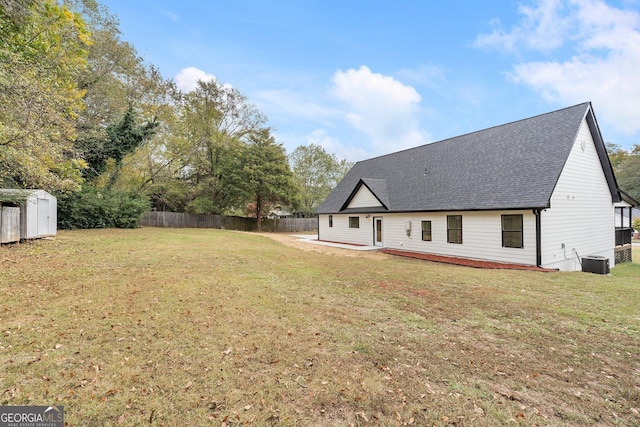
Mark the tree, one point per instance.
(120, 139)
(626, 166)
(215, 122)
(316, 173)
(628, 173)
(43, 50)
(116, 82)
(266, 176)
(617, 155)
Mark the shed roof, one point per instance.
(512, 166)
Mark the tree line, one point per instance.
(84, 117)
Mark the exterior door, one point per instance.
(377, 231)
(43, 217)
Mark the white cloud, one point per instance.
(604, 63)
(542, 28)
(381, 107)
(187, 78)
(296, 105)
(333, 145)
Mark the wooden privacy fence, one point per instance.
(184, 220)
(9, 224)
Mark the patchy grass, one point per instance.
(209, 327)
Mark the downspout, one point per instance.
(538, 214)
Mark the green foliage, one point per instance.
(316, 173)
(42, 52)
(106, 208)
(617, 155)
(636, 224)
(627, 168)
(120, 139)
(267, 177)
(196, 168)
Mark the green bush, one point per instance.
(100, 208)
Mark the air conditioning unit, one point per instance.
(595, 264)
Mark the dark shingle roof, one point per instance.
(512, 166)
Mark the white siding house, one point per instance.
(539, 191)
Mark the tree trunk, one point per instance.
(258, 213)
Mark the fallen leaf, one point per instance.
(121, 419)
(246, 408)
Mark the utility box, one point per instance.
(595, 264)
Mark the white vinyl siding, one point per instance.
(340, 232)
(581, 215)
(481, 236)
(364, 199)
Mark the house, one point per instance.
(38, 212)
(278, 213)
(539, 191)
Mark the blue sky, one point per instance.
(365, 78)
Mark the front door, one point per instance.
(377, 231)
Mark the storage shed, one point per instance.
(38, 212)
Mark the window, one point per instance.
(454, 228)
(354, 222)
(330, 220)
(512, 231)
(426, 231)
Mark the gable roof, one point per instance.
(512, 166)
(377, 187)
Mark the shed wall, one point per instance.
(34, 222)
(9, 224)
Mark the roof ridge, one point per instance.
(586, 103)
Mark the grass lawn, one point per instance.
(210, 327)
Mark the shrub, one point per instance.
(100, 208)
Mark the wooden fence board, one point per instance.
(184, 220)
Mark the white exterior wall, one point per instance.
(364, 199)
(340, 232)
(581, 215)
(481, 236)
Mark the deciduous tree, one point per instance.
(214, 126)
(316, 173)
(43, 50)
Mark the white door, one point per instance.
(43, 217)
(377, 231)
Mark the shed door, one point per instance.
(43, 217)
(377, 231)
